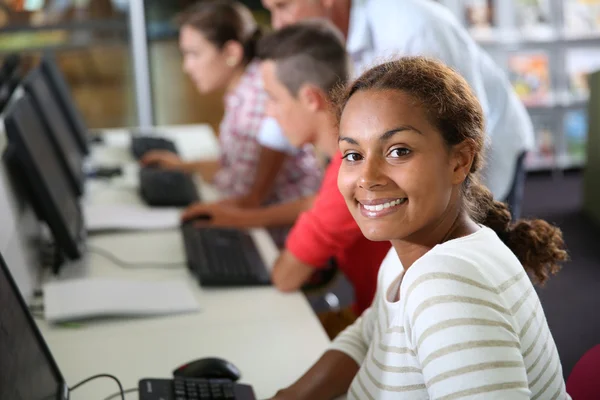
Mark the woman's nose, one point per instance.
(372, 174)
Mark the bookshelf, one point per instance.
(548, 48)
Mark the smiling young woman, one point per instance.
(455, 314)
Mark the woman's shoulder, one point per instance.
(252, 79)
(478, 260)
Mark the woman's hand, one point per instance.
(164, 159)
(216, 214)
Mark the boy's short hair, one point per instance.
(311, 51)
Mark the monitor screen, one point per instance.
(51, 195)
(59, 129)
(61, 90)
(28, 370)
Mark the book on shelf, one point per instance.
(529, 73)
(575, 131)
(581, 16)
(544, 154)
(479, 15)
(533, 16)
(580, 62)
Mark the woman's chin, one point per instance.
(377, 235)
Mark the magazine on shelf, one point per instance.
(529, 73)
(580, 62)
(544, 154)
(581, 16)
(575, 131)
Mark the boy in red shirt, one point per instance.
(301, 65)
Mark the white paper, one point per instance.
(100, 217)
(100, 297)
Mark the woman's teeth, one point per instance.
(380, 207)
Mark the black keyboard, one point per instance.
(140, 145)
(223, 257)
(165, 188)
(193, 389)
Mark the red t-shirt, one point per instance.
(329, 230)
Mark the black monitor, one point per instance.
(63, 95)
(39, 169)
(10, 77)
(10, 64)
(28, 369)
(57, 127)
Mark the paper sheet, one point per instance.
(78, 299)
(100, 217)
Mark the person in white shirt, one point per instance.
(456, 314)
(376, 30)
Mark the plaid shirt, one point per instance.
(244, 113)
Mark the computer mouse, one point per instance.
(210, 367)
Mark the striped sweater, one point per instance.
(464, 322)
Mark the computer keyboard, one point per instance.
(223, 257)
(140, 145)
(194, 389)
(165, 188)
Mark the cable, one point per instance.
(129, 265)
(112, 396)
(91, 378)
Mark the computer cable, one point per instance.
(126, 391)
(130, 265)
(91, 378)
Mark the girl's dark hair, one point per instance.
(221, 21)
(454, 110)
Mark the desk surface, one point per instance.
(270, 336)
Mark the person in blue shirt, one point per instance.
(377, 30)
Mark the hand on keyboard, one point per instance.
(216, 214)
(163, 159)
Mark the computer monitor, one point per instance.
(28, 369)
(57, 127)
(10, 64)
(63, 95)
(51, 195)
(10, 77)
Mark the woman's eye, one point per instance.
(352, 157)
(399, 152)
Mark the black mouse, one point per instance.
(212, 367)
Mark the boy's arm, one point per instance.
(289, 273)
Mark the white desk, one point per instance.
(272, 337)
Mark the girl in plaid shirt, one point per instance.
(218, 40)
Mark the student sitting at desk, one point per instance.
(459, 316)
(218, 41)
(376, 30)
(303, 63)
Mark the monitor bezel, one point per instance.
(62, 389)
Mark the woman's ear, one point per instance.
(462, 160)
(233, 52)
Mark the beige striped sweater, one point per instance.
(464, 322)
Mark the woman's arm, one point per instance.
(206, 169)
(269, 164)
(332, 375)
(168, 160)
(462, 331)
(329, 378)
